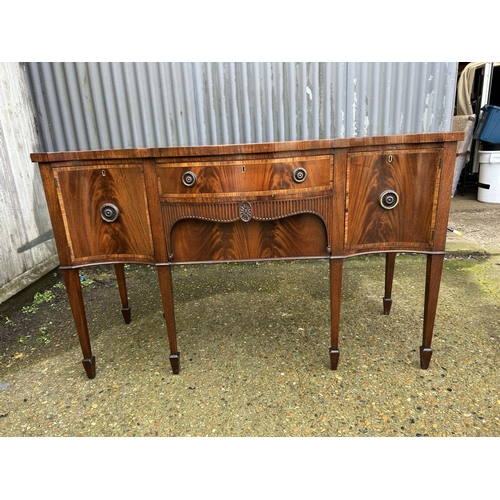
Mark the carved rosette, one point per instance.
(245, 211)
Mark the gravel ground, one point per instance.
(254, 359)
(254, 344)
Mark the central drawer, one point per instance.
(233, 177)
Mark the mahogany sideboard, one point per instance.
(327, 199)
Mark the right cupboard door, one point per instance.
(391, 199)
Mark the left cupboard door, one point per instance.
(105, 213)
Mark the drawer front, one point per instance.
(91, 198)
(391, 199)
(245, 176)
(302, 235)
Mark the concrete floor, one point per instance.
(478, 222)
(254, 354)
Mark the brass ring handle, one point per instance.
(109, 212)
(299, 174)
(189, 179)
(388, 199)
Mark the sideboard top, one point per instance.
(250, 148)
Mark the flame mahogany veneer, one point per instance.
(326, 199)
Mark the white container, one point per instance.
(488, 190)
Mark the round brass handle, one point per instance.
(189, 179)
(109, 212)
(299, 174)
(388, 199)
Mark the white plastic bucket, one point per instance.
(488, 190)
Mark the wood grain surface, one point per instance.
(245, 176)
(414, 176)
(83, 191)
(298, 236)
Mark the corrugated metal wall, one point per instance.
(82, 106)
(394, 98)
(23, 210)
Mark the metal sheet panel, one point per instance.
(82, 106)
(394, 98)
(123, 105)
